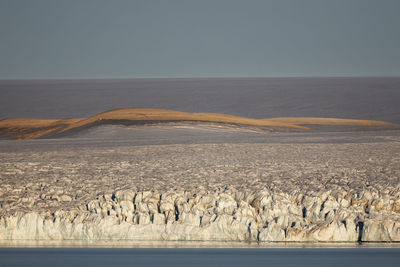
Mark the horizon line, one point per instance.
(200, 77)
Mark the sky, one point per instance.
(198, 38)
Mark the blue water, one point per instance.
(358, 98)
(112, 257)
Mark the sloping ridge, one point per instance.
(25, 128)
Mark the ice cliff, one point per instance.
(224, 215)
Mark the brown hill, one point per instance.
(23, 128)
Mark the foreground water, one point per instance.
(199, 257)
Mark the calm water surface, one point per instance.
(199, 257)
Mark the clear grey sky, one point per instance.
(198, 38)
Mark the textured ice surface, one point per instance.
(287, 187)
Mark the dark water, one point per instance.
(96, 257)
(362, 98)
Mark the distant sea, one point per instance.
(357, 98)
